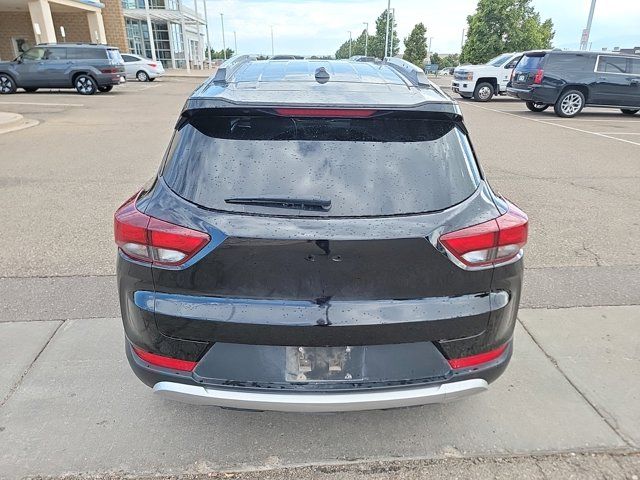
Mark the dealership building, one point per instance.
(164, 30)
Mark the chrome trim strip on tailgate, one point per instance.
(319, 402)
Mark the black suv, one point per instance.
(86, 67)
(572, 80)
(320, 237)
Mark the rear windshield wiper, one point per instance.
(317, 204)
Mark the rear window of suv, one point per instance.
(530, 62)
(365, 167)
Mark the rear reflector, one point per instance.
(324, 112)
(165, 362)
(476, 360)
(490, 243)
(152, 65)
(155, 241)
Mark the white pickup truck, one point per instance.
(482, 82)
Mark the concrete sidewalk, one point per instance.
(71, 405)
(11, 122)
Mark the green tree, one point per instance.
(376, 44)
(219, 54)
(357, 47)
(415, 45)
(449, 61)
(435, 58)
(500, 26)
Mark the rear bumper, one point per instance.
(538, 94)
(188, 387)
(319, 402)
(520, 93)
(104, 80)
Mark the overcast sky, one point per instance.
(309, 27)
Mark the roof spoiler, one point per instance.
(414, 73)
(229, 67)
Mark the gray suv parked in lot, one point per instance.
(569, 81)
(86, 67)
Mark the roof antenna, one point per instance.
(322, 76)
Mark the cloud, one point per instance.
(320, 26)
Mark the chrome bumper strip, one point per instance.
(319, 402)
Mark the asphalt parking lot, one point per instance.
(69, 403)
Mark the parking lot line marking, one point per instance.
(618, 133)
(611, 120)
(44, 104)
(556, 125)
(146, 88)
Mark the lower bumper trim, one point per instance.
(319, 402)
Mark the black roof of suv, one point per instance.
(391, 84)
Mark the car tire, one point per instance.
(537, 107)
(30, 90)
(85, 85)
(142, 76)
(7, 84)
(105, 88)
(484, 92)
(629, 111)
(569, 104)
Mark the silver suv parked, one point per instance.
(86, 67)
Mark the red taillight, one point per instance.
(165, 362)
(324, 112)
(151, 240)
(152, 65)
(538, 78)
(489, 243)
(476, 360)
(109, 70)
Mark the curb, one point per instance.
(11, 122)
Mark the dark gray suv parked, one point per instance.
(86, 67)
(569, 81)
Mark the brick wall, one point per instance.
(113, 19)
(76, 26)
(14, 24)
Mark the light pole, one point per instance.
(386, 38)
(224, 45)
(272, 50)
(366, 37)
(349, 43)
(207, 31)
(393, 21)
(587, 31)
(235, 42)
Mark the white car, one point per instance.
(144, 69)
(482, 82)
